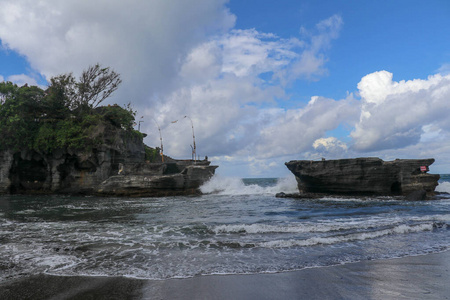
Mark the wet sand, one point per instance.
(418, 277)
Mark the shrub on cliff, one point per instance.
(20, 112)
(65, 115)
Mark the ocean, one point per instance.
(237, 227)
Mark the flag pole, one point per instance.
(194, 148)
(160, 138)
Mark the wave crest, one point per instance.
(236, 186)
(443, 187)
(401, 229)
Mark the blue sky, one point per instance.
(264, 82)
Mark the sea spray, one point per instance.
(443, 187)
(236, 186)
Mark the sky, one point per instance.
(263, 82)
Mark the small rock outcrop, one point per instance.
(158, 179)
(365, 176)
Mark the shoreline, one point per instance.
(423, 277)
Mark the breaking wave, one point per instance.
(443, 187)
(329, 227)
(401, 229)
(236, 186)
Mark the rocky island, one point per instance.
(59, 140)
(365, 176)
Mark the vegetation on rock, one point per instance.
(152, 154)
(64, 116)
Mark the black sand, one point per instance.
(419, 277)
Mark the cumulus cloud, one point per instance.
(444, 69)
(144, 41)
(228, 86)
(398, 114)
(330, 148)
(310, 63)
(22, 79)
(329, 143)
(296, 130)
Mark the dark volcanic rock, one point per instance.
(144, 183)
(363, 176)
(417, 195)
(115, 167)
(301, 195)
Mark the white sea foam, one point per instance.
(235, 186)
(56, 261)
(401, 229)
(292, 228)
(325, 226)
(26, 212)
(443, 187)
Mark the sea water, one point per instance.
(237, 227)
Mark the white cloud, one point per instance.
(310, 63)
(377, 86)
(21, 79)
(397, 114)
(249, 52)
(296, 130)
(328, 143)
(144, 41)
(221, 88)
(431, 133)
(330, 148)
(444, 69)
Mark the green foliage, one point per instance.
(45, 140)
(151, 154)
(60, 94)
(71, 133)
(20, 112)
(7, 91)
(118, 116)
(64, 115)
(95, 85)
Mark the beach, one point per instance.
(414, 277)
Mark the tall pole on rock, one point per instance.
(139, 126)
(160, 138)
(194, 148)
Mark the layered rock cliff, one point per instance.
(364, 176)
(158, 179)
(66, 170)
(116, 166)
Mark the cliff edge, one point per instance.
(117, 166)
(369, 175)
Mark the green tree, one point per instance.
(8, 90)
(95, 85)
(65, 115)
(59, 100)
(20, 113)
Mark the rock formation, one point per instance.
(96, 171)
(364, 176)
(158, 179)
